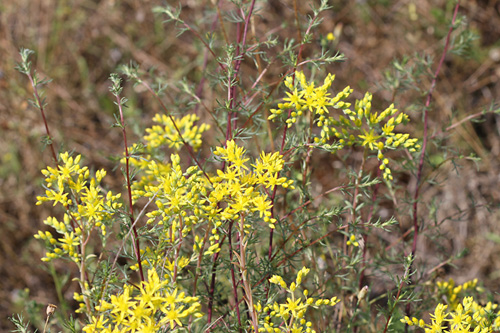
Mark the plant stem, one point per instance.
(42, 111)
(283, 140)
(365, 235)
(212, 289)
(400, 288)
(178, 248)
(233, 278)
(424, 143)
(243, 270)
(135, 236)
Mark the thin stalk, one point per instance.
(365, 235)
(211, 290)
(42, 111)
(82, 278)
(233, 278)
(197, 34)
(198, 265)
(400, 288)
(243, 269)
(310, 244)
(309, 145)
(265, 277)
(237, 65)
(219, 17)
(283, 141)
(424, 143)
(460, 122)
(308, 202)
(229, 130)
(73, 221)
(426, 128)
(63, 304)
(353, 221)
(39, 102)
(135, 237)
(200, 256)
(178, 248)
(356, 194)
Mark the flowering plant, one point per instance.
(221, 228)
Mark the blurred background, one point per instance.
(78, 43)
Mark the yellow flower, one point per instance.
(173, 316)
(352, 241)
(166, 132)
(369, 139)
(95, 324)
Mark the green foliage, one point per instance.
(21, 326)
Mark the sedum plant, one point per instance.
(220, 227)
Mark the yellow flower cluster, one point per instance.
(160, 135)
(304, 96)
(237, 184)
(468, 316)
(239, 191)
(151, 171)
(183, 199)
(151, 258)
(352, 241)
(81, 300)
(378, 137)
(155, 306)
(177, 194)
(290, 316)
(166, 134)
(87, 208)
(360, 126)
(452, 292)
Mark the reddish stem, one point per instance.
(135, 237)
(285, 130)
(229, 129)
(42, 110)
(424, 142)
(426, 127)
